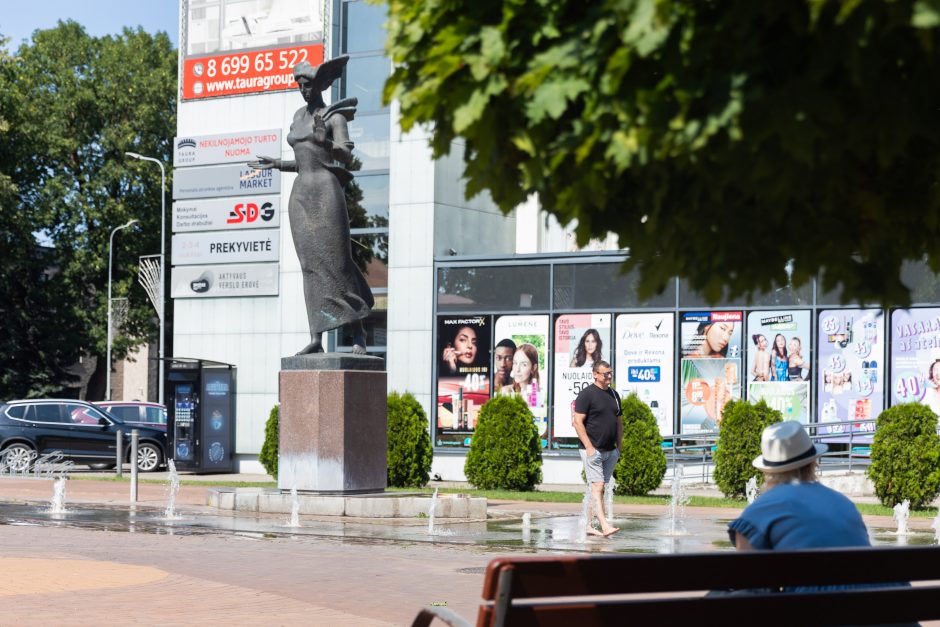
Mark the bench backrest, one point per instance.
(582, 590)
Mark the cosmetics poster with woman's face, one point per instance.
(710, 367)
(851, 370)
(915, 357)
(778, 364)
(645, 363)
(463, 377)
(527, 338)
(580, 340)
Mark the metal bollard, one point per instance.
(135, 438)
(119, 453)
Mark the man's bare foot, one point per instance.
(610, 532)
(313, 347)
(594, 532)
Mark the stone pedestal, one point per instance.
(333, 424)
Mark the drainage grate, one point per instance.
(473, 570)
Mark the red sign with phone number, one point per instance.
(248, 72)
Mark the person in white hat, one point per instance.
(795, 511)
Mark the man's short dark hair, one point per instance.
(598, 364)
(506, 343)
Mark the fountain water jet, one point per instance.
(584, 521)
(901, 513)
(676, 503)
(936, 527)
(172, 488)
(751, 490)
(431, 512)
(526, 527)
(609, 501)
(294, 508)
(57, 504)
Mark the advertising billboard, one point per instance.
(710, 367)
(915, 357)
(253, 279)
(235, 147)
(232, 47)
(580, 340)
(528, 376)
(645, 363)
(226, 247)
(463, 377)
(218, 214)
(224, 180)
(851, 369)
(779, 361)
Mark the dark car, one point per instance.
(137, 413)
(78, 430)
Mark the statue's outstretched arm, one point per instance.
(268, 163)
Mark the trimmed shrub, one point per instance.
(505, 452)
(739, 443)
(642, 463)
(268, 455)
(409, 443)
(905, 456)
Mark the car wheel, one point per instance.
(19, 457)
(148, 457)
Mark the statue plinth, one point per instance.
(333, 433)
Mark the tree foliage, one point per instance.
(642, 463)
(805, 129)
(905, 456)
(269, 449)
(72, 104)
(739, 443)
(409, 443)
(505, 452)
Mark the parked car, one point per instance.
(78, 430)
(137, 413)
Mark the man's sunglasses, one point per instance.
(606, 375)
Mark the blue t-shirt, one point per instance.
(800, 516)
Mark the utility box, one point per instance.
(200, 400)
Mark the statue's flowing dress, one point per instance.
(335, 291)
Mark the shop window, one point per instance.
(370, 134)
(602, 286)
(500, 288)
(364, 79)
(363, 27)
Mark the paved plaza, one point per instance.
(82, 576)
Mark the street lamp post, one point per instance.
(108, 358)
(162, 311)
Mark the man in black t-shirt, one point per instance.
(600, 429)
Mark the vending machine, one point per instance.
(200, 398)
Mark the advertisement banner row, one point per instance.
(484, 356)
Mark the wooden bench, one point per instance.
(581, 590)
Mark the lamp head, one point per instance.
(134, 155)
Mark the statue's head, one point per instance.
(322, 76)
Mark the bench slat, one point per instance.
(856, 607)
(550, 576)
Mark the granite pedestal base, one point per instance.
(333, 424)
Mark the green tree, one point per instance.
(79, 103)
(642, 463)
(905, 456)
(409, 443)
(269, 449)
(807, 129)
(739, 443)
(505, 452)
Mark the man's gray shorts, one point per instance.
(599, 467)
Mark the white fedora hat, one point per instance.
(785, 446)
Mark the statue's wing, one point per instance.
(329, 71)
(345, 107)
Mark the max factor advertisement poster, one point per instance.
(915, 357)
(852, 370)
(463, 377)
(527, 338)
(710, 367)
(580, 340)
(645, 363)
(778, 370)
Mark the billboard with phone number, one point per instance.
(245, 72)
